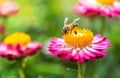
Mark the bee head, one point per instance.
(65, 30)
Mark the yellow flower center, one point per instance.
(106, 1)
(3, 1)
(17, 38)
(78, 37)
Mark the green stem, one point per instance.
(103, 25)
(4, 22)
(80, 71)
(1, 37)
(21, 69)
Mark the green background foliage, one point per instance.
(43, 20)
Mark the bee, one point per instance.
(69, 27)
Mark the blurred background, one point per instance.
(43, 20)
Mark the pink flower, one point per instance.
(79, 45)
(18, 45)
(98, 7)
(8, 8)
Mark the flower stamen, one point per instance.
(79, 37)
(106, 1)
(17, 38)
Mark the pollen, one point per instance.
(106, 1)
(79, 37)
(3, 1)
(17, 38)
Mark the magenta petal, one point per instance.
(86, 52)
(59, 50)
(102, 47)
(64, 56)
(97, 38)
(8, 51)
(3, 47)
(79, 9)
(81, 54)
(18, 51)
(87, 57)
(73, 60)
(81, 60)
(74, 52)
(76, 56)
(100, 43)
(32, 48)
(97, 52)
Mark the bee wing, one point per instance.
(65, 21)
(75, 20)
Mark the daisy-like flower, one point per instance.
(79, 45)
(8, 8)
(18, 45)
(98, 7)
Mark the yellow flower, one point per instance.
(106, 1)
(79, 37)
(17, 38)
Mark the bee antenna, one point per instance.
(65, 21)
(75, 20)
